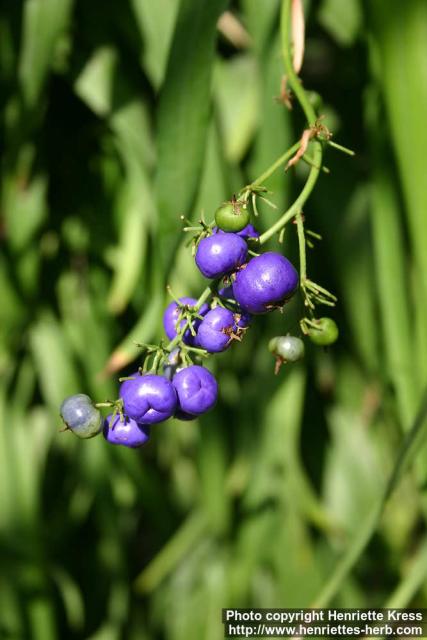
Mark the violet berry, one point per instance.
(197, 391)
(220, 254)
(216, 330)
(248, 232)
(171, 315)
(265, 283)
(127, 432)
(242, 318)
(148, 398)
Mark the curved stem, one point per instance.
(297, 88)
(276, 165)
(310, 114)
(301, 244)
(297, 205)
(183, 540)
(206, 293)
(316, 160)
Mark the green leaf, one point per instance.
(212, 470)
(12, 308)
(393, 293)
(145, 330)
(343, 19)
(183, 116)
(260, 23)
(354, 255)
(95, 83)
(53, 361)
(135, 208)
(181, 543)
(351, 481)
(400, 33)
(213, 186)
(155, 21)
(237, 94)
(274, 134)
(279, 463)
(110, 94)
(71, 597)
(12, 624)
(44, 22)
(25, 208)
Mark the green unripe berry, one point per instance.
(232, 216)
(272, 345)
(287, 348)
(324, 333)
(81, 416)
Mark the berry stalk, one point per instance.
(204, 296)
(310, 114)
(316, 165)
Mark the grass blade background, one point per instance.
(183, 116)
(114, 121)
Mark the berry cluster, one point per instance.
(171, 382)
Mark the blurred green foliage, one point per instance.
(117, 118)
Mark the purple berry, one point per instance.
(265, 283)
(227, 292)
(196, 389)
(242, 318)
(127, 433)
(170, 319)
(248, 232)
(148, 399)
(220, 253)
(215, 331)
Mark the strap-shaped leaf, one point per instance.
(44, 22)
(183, 119)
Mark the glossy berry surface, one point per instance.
(215, 331)
(265, 283)
(127, 433)
(220, 254)
(81, 416)
(324, 333)
(288, 348)
(171, 315)
(242, 318)
(232, 216)
(148, 399)
(197, 391)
